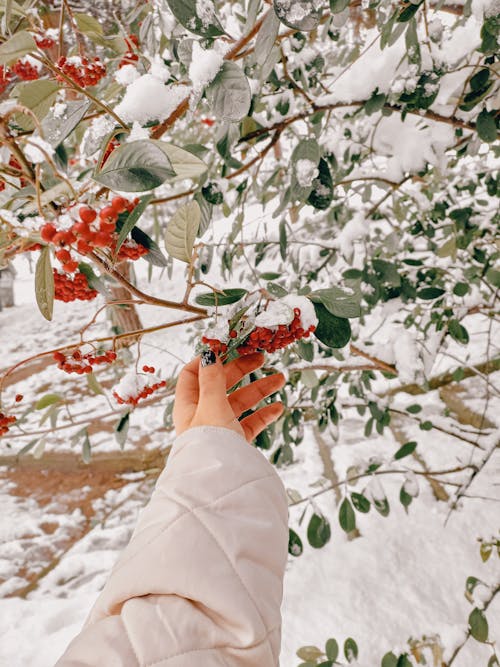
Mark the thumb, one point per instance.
(212, 381)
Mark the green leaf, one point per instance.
(347, 518)
(227, 296)
(121, 429)
(131, 220)
(86, 449)
(181, 231)
(388, 272)
(55, 130)
(374, 103)
(306, 149)
(338, 301)
(429, 293)
(184, 163)
(93, 384)
(404, 661)
(37, 96)
(332, 649)
(229, 94)
(155, 255)
(404, 497)
(408, 12)
(318, 531)
(389, 660)
(322, 192)
(264, 440)
(295, 546)
(309, 653)
(301, 15)
(89, 25)
(94, 281)
(48, 399)
(485, 551)
(185, 12)
(486, 126)
(283, 239)
(478, 625)
(350, 649)
(407, 449)
(414, 408)
(382, 506)
(44, 284)
(458, 332)
(266, 37)
(360, 502)
(305, 350)
(16, 47)
(332, 331)
(494, 277)
(136, 166)
(337, 6)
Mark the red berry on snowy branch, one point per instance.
(79, 363)
(134, 387)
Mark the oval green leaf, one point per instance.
(347, 518)
(350, 649)
(227, 296)
(332, 649)
(360, 502)
(136, 166)
(229, 94)
(44, 284)
(478, 625)
(332, 331)
(295, 546)
(181, 231)
(207, 25)
(298, 14)
(318, 531)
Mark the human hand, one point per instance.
(201, 397)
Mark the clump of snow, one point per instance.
(127, 74)
(59, 109)
(306, 171)
(280, 311)
(205, 12)
(133, 383)
(204, 66)
(148, 98)
(354, 229)
(37, 149)
(138, 132)
(158, 69)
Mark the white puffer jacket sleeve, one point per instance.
(200, 582)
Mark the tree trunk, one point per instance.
(124, 317)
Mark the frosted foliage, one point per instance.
(131, 384)
(280, 311)
(205, 12)
(37, 149)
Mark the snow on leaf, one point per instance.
(229, 93)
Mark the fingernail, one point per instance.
(208, 357)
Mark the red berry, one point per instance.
(119, 204)
(63, 255)
(87, 214)
(19, 398)
(47, 232)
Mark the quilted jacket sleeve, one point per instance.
(200, 582)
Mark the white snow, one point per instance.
(37, 149)
(148, 98)
(306, 171)
(204, 66)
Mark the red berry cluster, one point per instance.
(92, 230)
(5, 78)
(146, 391)
(5, 422)
(82, 71)
(262, 338)
(25, 70)
(215, 344)
(76, 362)
(130, 56)
(44, 42)
(72, 289)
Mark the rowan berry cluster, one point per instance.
(130, 56)
(25, 70)
(5, 423)
(270, 340)
(81, 70)
(133, 387)
(76, 362)
(92, 230)
(44, 42)
(72, 289)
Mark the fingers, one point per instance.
(257, 422)
(186, 389)
(247, 397)
(237, 369)
(212, 383)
